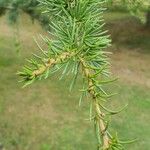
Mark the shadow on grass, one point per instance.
(129, 32)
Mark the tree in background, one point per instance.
(138, 8)
(14, 8)
(78, 48)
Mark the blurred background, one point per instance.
(45, 116)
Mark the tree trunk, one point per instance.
(148, 19)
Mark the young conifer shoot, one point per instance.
(78, 40)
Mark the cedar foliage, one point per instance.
(78, 47)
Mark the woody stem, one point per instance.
(99, 114)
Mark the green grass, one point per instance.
(45, 116)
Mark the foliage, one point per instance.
(78, 46)
(15, 7)
(136, 7)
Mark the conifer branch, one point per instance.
(78, 28)
(99, 114)
(30, 74)
(51, 62)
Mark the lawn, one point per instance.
(45, 116)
